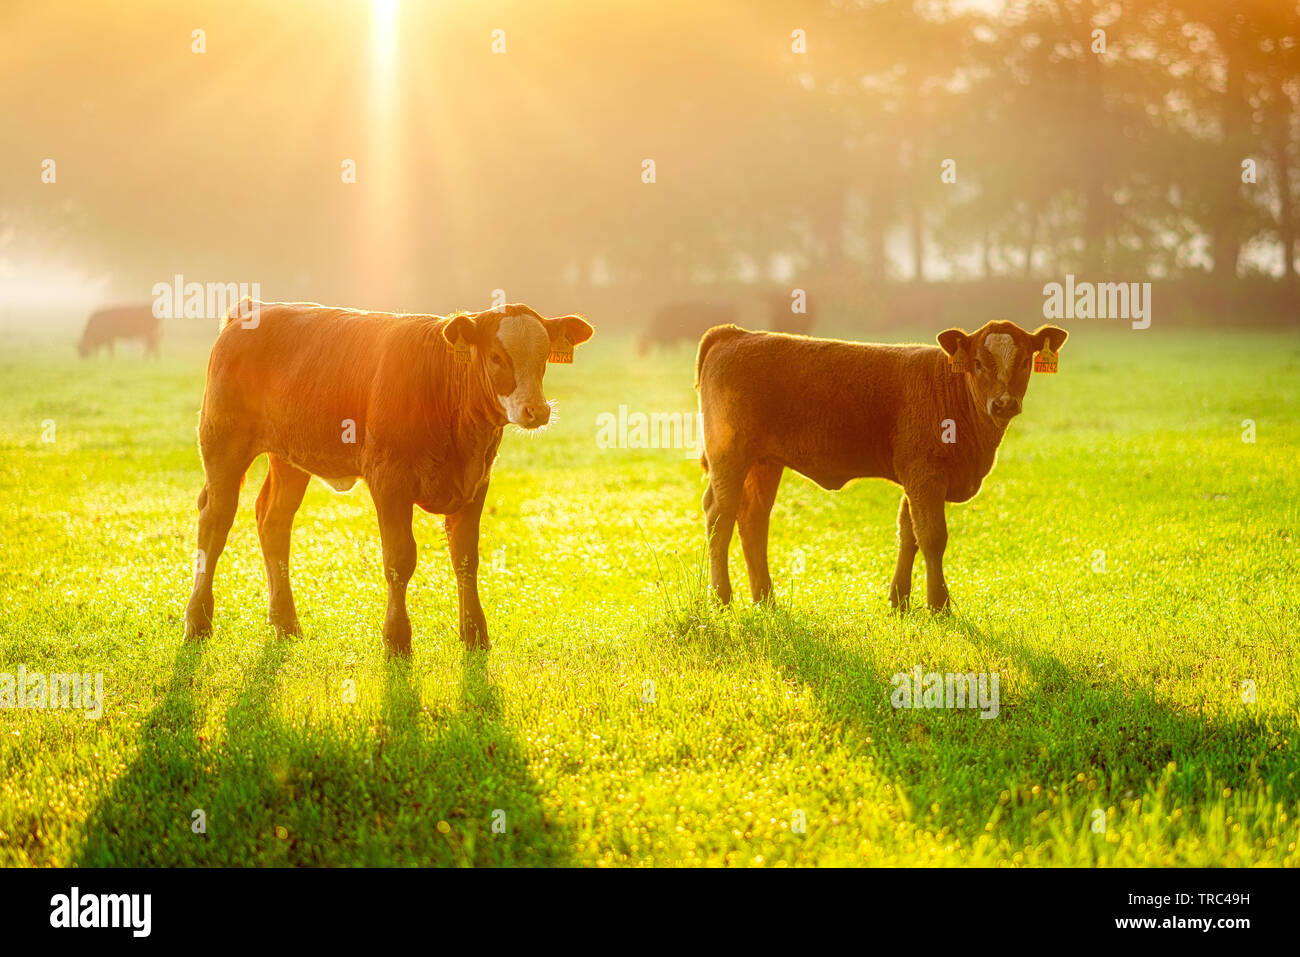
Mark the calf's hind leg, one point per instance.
(901, 587)
(277, 503)
(218, 502)
(753, 518)
(721, 504)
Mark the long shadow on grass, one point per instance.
(409, 788)
(1092, 721)
(1065, 723)
(182, 800)
(149, 807)
(469, 787)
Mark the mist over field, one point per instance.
(417, 156)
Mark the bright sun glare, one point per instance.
(382, 181)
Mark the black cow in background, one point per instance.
(783, 318)
(679, 322)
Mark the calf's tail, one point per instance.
(239, 312)
(709, 340)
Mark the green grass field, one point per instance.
(1125, 691)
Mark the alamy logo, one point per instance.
(936, 690)
(71, 691)
(1106, 300)
(102, 910)
(653, 430)
(179, 299)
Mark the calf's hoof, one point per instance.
(899, 600)
(397, 646)
(286, 629)
(197, 625)
(941, 606)
(397, 635)
(397, 652)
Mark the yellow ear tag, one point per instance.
(461, 348)
(561, 350)
(957, 362)
(1045, 360)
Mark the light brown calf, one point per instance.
(415, 405)
(836, 411)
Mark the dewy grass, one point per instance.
(1129, 572)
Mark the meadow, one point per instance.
(1129, 571)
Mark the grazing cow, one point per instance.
(683, 322)
(783, 318)
(415, 405)
(105, 326)
(928, 419)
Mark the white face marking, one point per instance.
(1003, 348)
(528, 344)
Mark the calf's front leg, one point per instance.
(925, 504)
(399, 565)
(462, 541)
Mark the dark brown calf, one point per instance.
(415, 405)
(679, 322)
(106, 326)
(929, 419)
(783, 318)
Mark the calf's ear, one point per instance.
(953, 340)
(461, 328)
(574, 328)
(1051, 335)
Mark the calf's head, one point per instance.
(511, 346)
(998, 359)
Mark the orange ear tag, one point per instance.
(561, 350)
(1046, 360)
(461, 348)
(957, 362)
